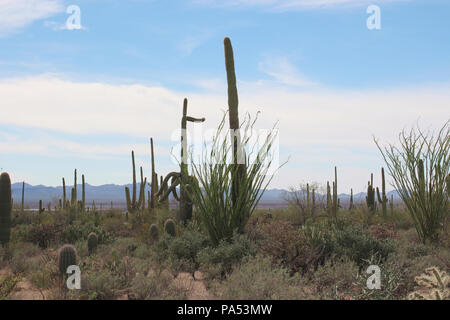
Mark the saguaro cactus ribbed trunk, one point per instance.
(382, 198)
(233, 110)
(5, 208)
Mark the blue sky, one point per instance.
(85, 98)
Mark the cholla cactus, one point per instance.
(434, 285)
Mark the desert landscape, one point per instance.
(216, 224)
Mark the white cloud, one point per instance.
(319, 127)
(283, 71)
(284, 5)
(16, 14)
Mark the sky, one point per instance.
(84, 97)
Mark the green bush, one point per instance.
(223, 257)
(258, 278)
(77, 231)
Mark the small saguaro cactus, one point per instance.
(41, 209)
(169, 227)
(67, 256)
(335, 204)
(382, 198)
(154, 183)
(22, 207)
(83, 194)
(351, 206)
(133, 204)
(64, 194)
(154, 232)
(5, 208)
(328, 198)
(370, 198)
(92, 241)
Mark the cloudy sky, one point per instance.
(85, 98)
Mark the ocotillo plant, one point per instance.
(22, 207)
(382, 198)
(5, 208)
(134, 205)
(181, 178)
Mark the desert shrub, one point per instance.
(22, 257)
(115, 225)
(77, 231)
(43, 235)
(156, 286)
(99, 285)
(46, 273)
(349, 241)
(288, 245)
(7, 285)
(393, 282)
(382, 231)
(258, 278)
(335, 279)
(219, 260)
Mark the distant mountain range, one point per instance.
(104, 194)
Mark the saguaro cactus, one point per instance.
(67, 256)
(370, 198)
(169, 227)
(64, 194)
(351, 206)
(92, 242)
(335, 195)
(233, 104)
(83, 194)
(328, 198)
(41, 208)
(134, 205)
(382, 198)
(5, 208)
(22, 207)
(182, 178)
(154, 183)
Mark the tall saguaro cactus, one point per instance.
(64, 194)
(5, 208)
(382, 198)
(83, 194)
(154, 184)
(182, 178)
(233, 104)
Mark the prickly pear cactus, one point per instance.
(5, 208)
(67, 256)
(92, 242)
(169, 227)
(154, 232)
